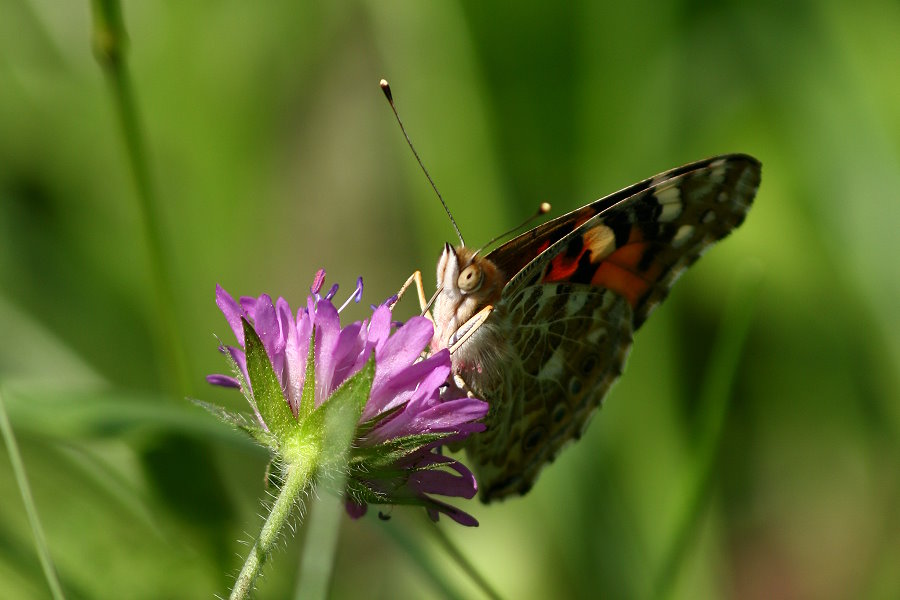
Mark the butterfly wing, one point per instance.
(650, 231)
(582, 284)
(570, 343)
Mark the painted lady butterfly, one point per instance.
(540, 327)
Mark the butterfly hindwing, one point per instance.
(569, 342)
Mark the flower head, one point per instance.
(394, 455)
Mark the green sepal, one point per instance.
(239, 421)
(267, 393)
(362, 494)
(308, 397)
(366, 427)
(388, 453)
(333, 424)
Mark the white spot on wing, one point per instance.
(575, 302)
(670, 212)
(668, 195)
(553, 368)
(683, 234)
(743, 185)
(709, 217)
(601, 240)
(595, 335)
(717, 175)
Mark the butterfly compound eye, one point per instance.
(470, 279)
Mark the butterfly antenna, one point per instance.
(543, 209)
(386, 88)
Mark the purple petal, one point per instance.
(401, 350)
(232, 311)
(238, 356)
(449, 415)
(428, 391)
(445, 417)
(374, 333)
(248, 303)
(407, 343)
(223, 380)
(445, 483)
(328, 329)
(294, 356)
(355, 510)
(348, 349)
(421, 378)
(379, 328)
(463, 518)
(269, 331)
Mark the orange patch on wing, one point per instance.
(635, 235)
(621, 280)
(628, 256)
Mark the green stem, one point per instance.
(25, 490)
(295, 480)
(110, 42)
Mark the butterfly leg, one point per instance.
(416, 278)
(471, 326)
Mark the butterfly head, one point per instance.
(467, 282)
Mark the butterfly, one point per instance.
(541, 326)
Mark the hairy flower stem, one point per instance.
(296, 478)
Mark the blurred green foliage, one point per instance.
(273, 153)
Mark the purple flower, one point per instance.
(394, 457)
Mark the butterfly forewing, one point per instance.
(578, 286)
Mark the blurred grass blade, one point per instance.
(110, 414)
(19, 468)
(462, 562)
(715, 396)
(110, 45)
(30, 338)
(94, 466)
(406, 542)
(320, 544)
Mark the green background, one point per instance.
(272, 153)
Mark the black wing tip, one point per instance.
(738, 157)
